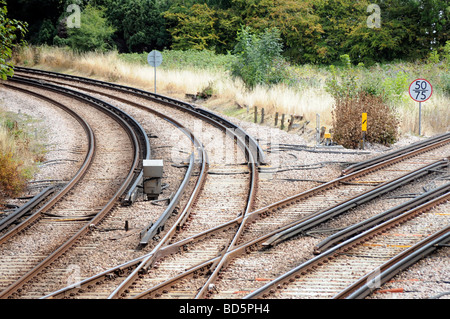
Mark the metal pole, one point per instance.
(155, 79)
(420, 118)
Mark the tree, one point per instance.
(47, 33)
(140, 25)
(258, 57)
(10, 31)
(95, 32)
(35, 13)
(192, 27)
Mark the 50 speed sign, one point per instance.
(420, 90)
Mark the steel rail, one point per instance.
(334, 252)
(249, 145)
(170, 249)
(325, 214)
(378, 219)
(142, 148)
(155, 228)
(151, 258)
(312, 220)
(307, 223)
(27, 208)
(246, 142)
(131, 265)
(399, 152)
(122, 119)
(240, 220)
(369, 283)
(382, 189)
(75, 179)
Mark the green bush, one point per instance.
(11, 31)
(19, 153)
(188, 59)
(95, 32)
(445, 83)
(258, 58)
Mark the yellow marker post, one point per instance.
(364, 122)
(364, 128)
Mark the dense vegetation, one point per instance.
(19, 152)
(266, 42)
(318, 31)
(11, 31)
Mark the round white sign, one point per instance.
(154, 58)
(420, 90)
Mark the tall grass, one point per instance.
(19, 154)
(177, 82)
(304, 93)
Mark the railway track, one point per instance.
(168, 269)
(361, 264)
(171, 287)
(67, 217)
(242, 178)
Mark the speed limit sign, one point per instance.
(420, 90)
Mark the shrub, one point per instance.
(12, 180)
(94, 34)
(18, 153)
(382, 124)
(258, 58)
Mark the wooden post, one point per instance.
(276, 118)
(290, 123)
(256, 114)
(262, 115)
(282, 122)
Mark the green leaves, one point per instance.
(258, 57)
(95, 31)
(192, 27)
(10, 29)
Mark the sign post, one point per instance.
(420, 90)
(364, 128)
(154, 58)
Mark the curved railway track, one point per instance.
(360, 265)
(194, 261)
(190, 275)
(64, 219)
(249, 177)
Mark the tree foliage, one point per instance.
(258, 57)
(192, 27)
(10, 32)
(140, 25)
(94, 32)
(312, 31)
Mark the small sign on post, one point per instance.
(155, 59)
(420, 90)
(364, 128)
(364, 122)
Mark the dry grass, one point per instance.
(178, 83)
(435, 115)
(19, 154)
(308, 101)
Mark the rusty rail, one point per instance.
(332, 253)
(126, 122)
